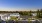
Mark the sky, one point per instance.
(20, 5)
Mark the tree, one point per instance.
(38, 14)
(23, 13)
(30, 13)
(41, 13)
(41, 10)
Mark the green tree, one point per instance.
(41, 13)
(30, 13)
(24, 13)
(37, 12)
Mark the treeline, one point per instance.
(39, 13)
(26, 13)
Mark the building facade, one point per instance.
(6, 16)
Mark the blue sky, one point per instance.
(20, 5)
